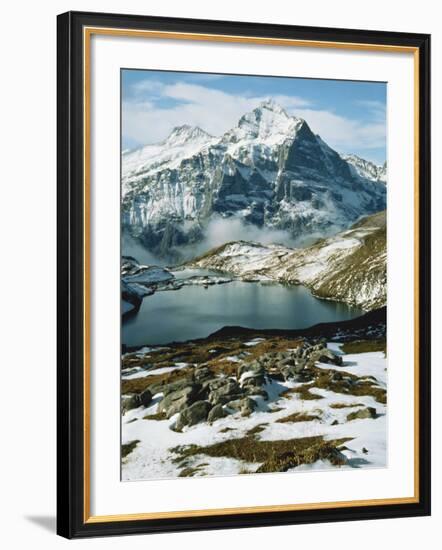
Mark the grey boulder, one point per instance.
(129, 402)
(325, 356)
(196, 413)
(146, 397)
(178, 400)
(223, 390)
(202, 374)
(367, 412)
(245, 406)
(216, 413)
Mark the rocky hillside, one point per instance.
(236, 405)
(270, 171)
(367, 169)
(349, 267)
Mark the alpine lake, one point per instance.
(196, 311)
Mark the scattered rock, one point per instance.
(216, 413)
(324, 355)
(202, 374)
(166, 389)
(257, 391)
(178, 400)
(246, 405)
(129, 402)
(255, 368)
(224, 390)
(196, 413)
(368, 412)
(208, 393)
(256, 380)
(146, 397)
(291, 371)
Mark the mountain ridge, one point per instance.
(349, 267)
(270, 171)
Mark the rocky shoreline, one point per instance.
(370, 326)
(139, 281)
(349, 267)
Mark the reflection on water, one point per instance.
(196, 312)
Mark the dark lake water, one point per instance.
(196, 312)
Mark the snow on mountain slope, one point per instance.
(270, 171)
(183, 142)
(366, 169)
(268, 125)
(349, 267)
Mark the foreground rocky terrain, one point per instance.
(244, 401)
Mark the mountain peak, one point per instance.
(271, 105)
(267, 121)
(185, 133)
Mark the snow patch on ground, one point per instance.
(152, 457)
(254, 342)
(142, 373)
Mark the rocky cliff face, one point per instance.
(349, 267)
(367, 169)
(270, 170)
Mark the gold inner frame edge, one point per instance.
(87, 33)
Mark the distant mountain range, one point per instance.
(270, 171)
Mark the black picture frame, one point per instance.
(71, 518)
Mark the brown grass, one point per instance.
(274, 456)
(302, 391)
(273, 344)
(345, 405)
(337, 382)
(138, 385)
(299, 417)
(226, 429)
(257, 429)
(127, 448)
(156, 416)
(364, 346)
(210, 354)
(349, 384)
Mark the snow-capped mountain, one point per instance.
(349, 267)
(367, 169)
(270, 170)
(183, 142)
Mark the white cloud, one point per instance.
(222, 230)
(213, 110)
(146, 86)
(345, 134)
(216, 112)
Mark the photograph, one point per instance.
(253, 274)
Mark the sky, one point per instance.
(350, 116)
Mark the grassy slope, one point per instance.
(355, 275)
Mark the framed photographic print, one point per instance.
(243, 274)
